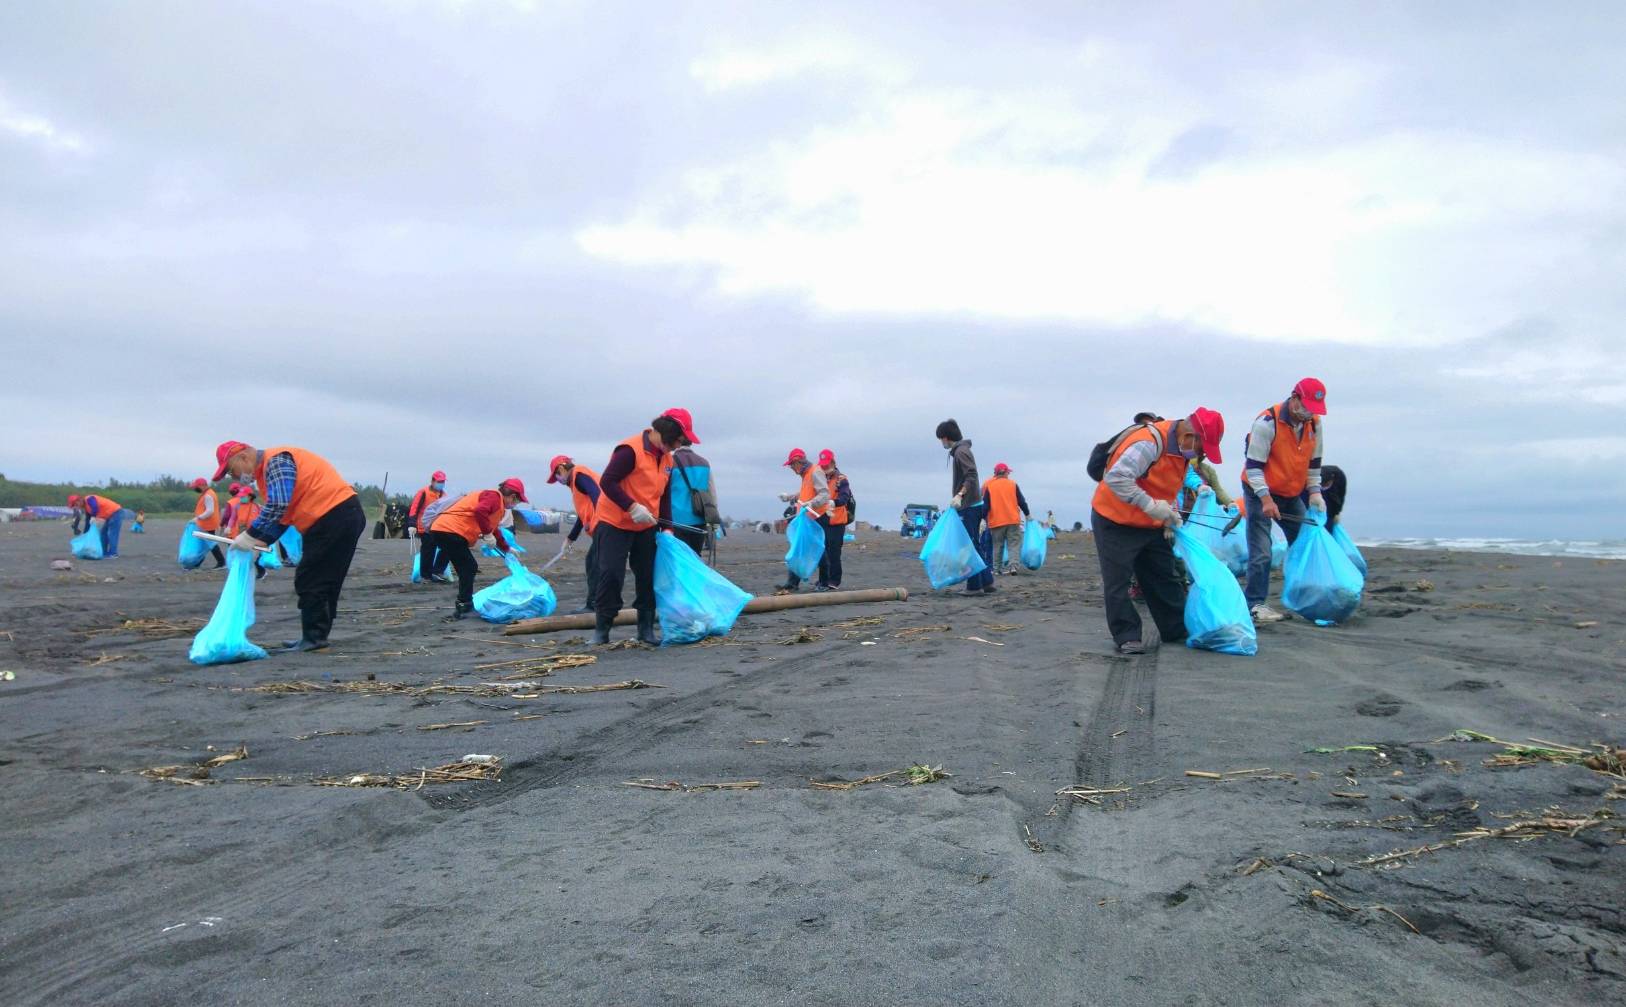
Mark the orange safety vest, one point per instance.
(838, 515)
(318, 487)
(243, 516)
(212, 522)
(1003, 509)
(1287, 470)
(422, 500)
(1162, 481)
(586, 510)
(808, 493)
(106, 507)
(646, 485)
(458, 518)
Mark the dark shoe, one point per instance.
(601, 631)
(822, 588)
(260, 572)
(298, 646)
(990, 589)
(1131, 647)
(646, 629)
(436, 578)
(463, 608)
(973, 590)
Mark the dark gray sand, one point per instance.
(560, 885)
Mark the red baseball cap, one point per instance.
(223, 452)
(73, 498)
(199, 483)
(438, 477)
(236, 488)
(1000, 468)
(553, 466)
(1313, 394)
(514, 486)
(827, 457)
(796, 455)
(1210, 427)
(685, 421)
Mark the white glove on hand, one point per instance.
(1164, 513)
(954, 502)
(640, 514)
(245, 542)
(565, 547)
(786, 497)
(1318, 502)
(1205, 490)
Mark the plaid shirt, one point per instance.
(278, 491)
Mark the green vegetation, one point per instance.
(163, 495)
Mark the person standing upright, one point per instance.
(836, 520)
(584, 492)
(303, 491)
(632, 499)
(206, 515)
(693, 492)
(813, 496)
(967, 499)
(1006, 508)
(1283, 473)
(421, 502)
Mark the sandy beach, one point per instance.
(558, 883)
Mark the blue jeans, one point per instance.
(972, 517)
(1259, 542)
(110, 533)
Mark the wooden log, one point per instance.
(777, 603)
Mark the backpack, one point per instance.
(697, 500)
(426, 520)
(1102, 452)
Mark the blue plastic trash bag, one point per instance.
(949, 555)
(293, 544)
(848, 537)
(508, 536)
(1035, 542)
(1207, 525)
(1216, 612)
(225, 638)
(417, 578)
(1278, 547)
(520, 595)
(1318, 580)
(692, 600)
(532, 518)
(88, 545)
(806, 546)
(1347, 544)
(269, 559)
(192, 549)
(1050, 533)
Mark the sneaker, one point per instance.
(1263, 613)
(1131, 647)
(990, 589)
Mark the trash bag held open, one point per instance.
(225, 638)
(1216, 612)
(520, 595)
(88, 545)
(949, 555)
(192, 549)
(692, 600)
(806, 546)
(293, 544)
(1318, 580)
(1035, 542)
(270, 559)
(1207, 525)
(508, 536)
(1347, 544)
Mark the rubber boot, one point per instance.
(601, 630)
(646, 629)
(463, 608)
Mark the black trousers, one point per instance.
(330, 545)
(590, 567)
(791, 580)
(430, 559)
(617, 549)
(220, 557)
(835, 536)
(1144, 554)
(693, 539)
(452, 548)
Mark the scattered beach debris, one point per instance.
(1553, 822)
(321, 734)
(1333, 750)
(913, 632)
(539, 666)
(8, 676)
(1606, 759)
(107, 658)
(1230, 774)
(916, 774)
(1091, 795)
(452, 725)
(803, 635)
(1001, 627)
(469, 769)
(863, 620)
(692, 788)
(1027, 837)
(61, 564)
(194, 774)
(510, 690)
(978, 639)
(1317, 893)
(1586, 624)
(628, 644)
(151, 629)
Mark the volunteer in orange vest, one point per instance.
(1283, 474)
(583, 485)
(632, 498)
(246, 512)
(461, 524)
(1133, 505)
(813, 497)
(206, 515)
(1006, 508)
(105, 513)
(421, 501)
(836, 519)
(303, 490)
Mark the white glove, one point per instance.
(640, 514)
(566, 546)
(1205, 490)
(954, 501)
(245, 542)
(786, 497)
(1164, 513)
(1318, 502)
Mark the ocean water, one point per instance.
(1605, 549)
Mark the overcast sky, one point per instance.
(465, 235)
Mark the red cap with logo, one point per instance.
(796, 455)
(553, 466)
(514, 486)
(1313, 394)
(438, 477)
(827, 457)
(223, 452)
(199, 483)
(1210, 427)
(685, 421)
(1001, 469)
